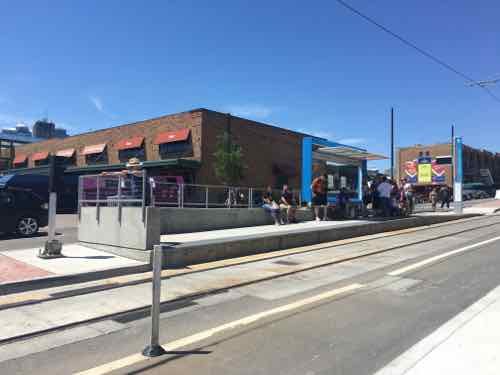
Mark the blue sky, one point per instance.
(309, 66)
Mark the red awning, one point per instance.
(19, 159)
(125, 144)
(40, 156)
(67, 153)
(94, 149)
(175, 136)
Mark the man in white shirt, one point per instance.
(384, 191)
(408, 194)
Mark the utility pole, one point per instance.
(392, 144)
(53, 246)
(452, 154)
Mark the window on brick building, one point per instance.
(126, 155)
(175, 144)
(99, 158)
(176, 150)
(421, 153)
(23, 164)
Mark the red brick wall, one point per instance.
(264, 148)
(412, 153)
(148, 129)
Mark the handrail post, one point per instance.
(154, 348)
(206, 197)
(144, 186)
(250, 198)
(98, 195)
(120, 199)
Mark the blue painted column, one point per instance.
(360, 183)
(459, 173)
(307, 164)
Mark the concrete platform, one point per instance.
(191, 248)
(21, 266)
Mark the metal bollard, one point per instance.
(154, 349)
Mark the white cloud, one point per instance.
(97, 102)
(99, 105)
(255, 111)
(11, 120)
(353, 141)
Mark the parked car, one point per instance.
(22, 211)
(67, 188)
(476, 190)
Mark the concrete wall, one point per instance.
(106, 230)
(187, 220)
(212, 250)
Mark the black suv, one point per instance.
(21, 211)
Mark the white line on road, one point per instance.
(433, 259)
(174, 345)
(466, 344)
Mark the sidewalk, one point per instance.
(467, 344)
(24, 265)
(486, 207)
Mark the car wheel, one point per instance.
(27, 226)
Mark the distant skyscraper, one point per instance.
(60, 133)
(43, 129)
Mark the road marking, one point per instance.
(174, 345)
(433, 259)
(438, 344)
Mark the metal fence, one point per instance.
(137, 189)
(168, 194)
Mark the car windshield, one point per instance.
(5, 179)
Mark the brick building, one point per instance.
(181, 144)
(475, 162)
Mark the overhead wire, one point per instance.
(415, 47)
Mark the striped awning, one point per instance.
(174, 136)
(133, 142)
(19, 159)
(40, 156)
(67, 153)
(94, 149)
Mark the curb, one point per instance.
(54, 281)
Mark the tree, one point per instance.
(228, 160)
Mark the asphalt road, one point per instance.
(66, 231)
(351, 334)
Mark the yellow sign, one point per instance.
(424, 173)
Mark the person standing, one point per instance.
(408, 192)
(384, 190)
(445, 196)
(288, 203)
(319, 200)
(433, 197)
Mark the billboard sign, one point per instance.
(424, 173)
(438, 173)
(411, 172)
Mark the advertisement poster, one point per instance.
(438, 173)
(424, 173)
(411, 172)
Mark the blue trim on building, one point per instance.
(306, 169)
(459, 173)
(307, 164)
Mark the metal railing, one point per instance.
(137, 189)
(166, 194)
(113, 189)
